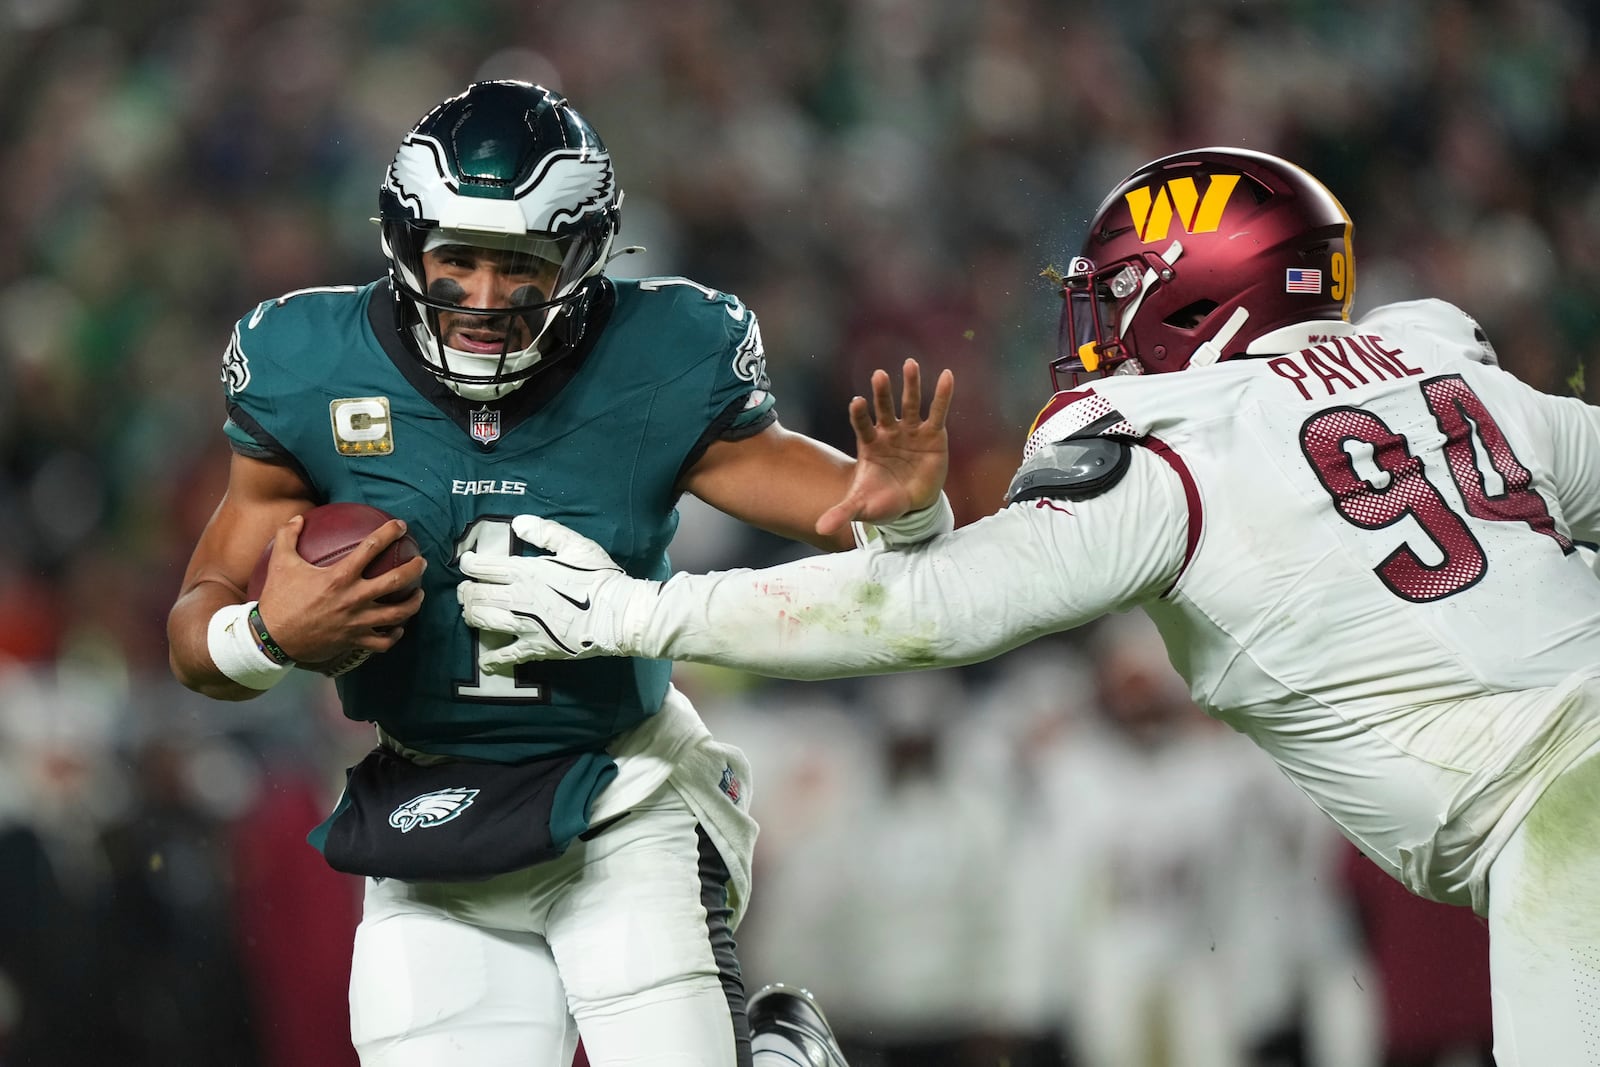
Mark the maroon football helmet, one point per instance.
(1196, 255)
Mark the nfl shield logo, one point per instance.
(730, 784)
(485, 426)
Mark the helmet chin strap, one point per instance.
(1212, 350)
(469, 362)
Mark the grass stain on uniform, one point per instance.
(1559, 840)
(860, 611)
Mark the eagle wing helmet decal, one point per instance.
(566, 186)
(418, 173)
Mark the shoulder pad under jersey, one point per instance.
(1432, 325)
(1075, 469)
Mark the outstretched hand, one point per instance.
(901, 461)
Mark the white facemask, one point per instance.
(440, 356)
(444, 358)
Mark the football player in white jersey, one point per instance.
(1355, 536)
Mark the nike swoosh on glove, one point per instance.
(572, 604)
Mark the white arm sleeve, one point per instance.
(1032, 569)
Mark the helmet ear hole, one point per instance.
(1191, 315)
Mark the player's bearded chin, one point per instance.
(453, 324)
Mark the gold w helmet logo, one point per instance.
(1153, 209)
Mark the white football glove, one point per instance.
(572, 604)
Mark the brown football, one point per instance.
(331, 532)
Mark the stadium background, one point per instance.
(1045, 859)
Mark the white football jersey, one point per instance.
(1359, 552)
(1381, 555)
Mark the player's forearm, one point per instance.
(189, 654)
(962, 598)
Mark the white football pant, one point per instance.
(616, 933)
(1544, 928)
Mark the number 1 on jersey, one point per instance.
(493, 537)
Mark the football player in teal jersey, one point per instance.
(566, 841)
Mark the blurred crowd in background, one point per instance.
(1041, 859)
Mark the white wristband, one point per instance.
(234, 650)
(912, 528)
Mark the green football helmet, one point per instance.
(505, 165)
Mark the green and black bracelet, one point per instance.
(264, 640)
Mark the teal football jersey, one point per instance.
(320, 379)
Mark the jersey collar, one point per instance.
(515, 407)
